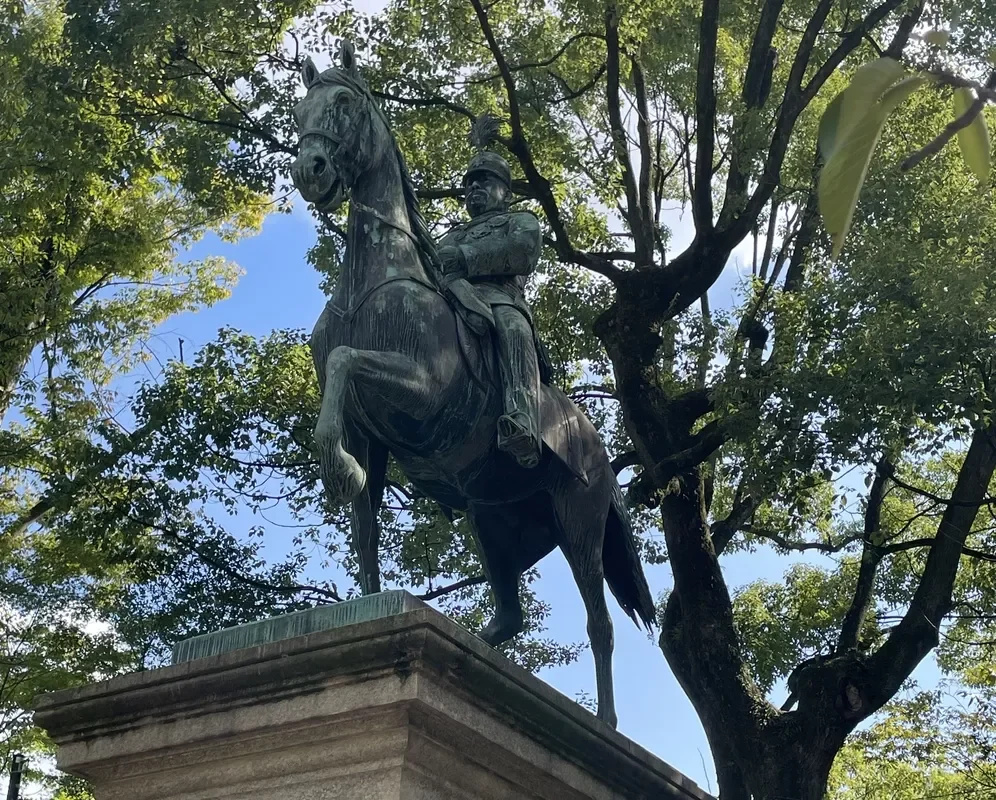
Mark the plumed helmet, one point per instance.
(483, 133)
(489, 162)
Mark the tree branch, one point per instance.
(644, 235)
(546, 62)
(795, 100)
(519, 147)
(935, 145)
(435, 101)
(705, 117)
(61, 495)
(725, 529)
(736, 181)
(951, 501)
(787, 544)
(913, 544)
(918, 632)
(903, 31)
(871, 556)
(620, 141)
(453, 587)
(625, 460)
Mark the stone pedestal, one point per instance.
(377, 699)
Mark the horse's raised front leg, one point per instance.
(394, 379)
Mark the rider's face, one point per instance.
(485, 192)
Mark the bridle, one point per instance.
(346, 314)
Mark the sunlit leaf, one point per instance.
(937, 38)
(974, 138)
(845, 170)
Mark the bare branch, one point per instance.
(644, 234)
(917, 633)
(788, 544)
(936, 144)
(614, 105)
(453, 587)
(913, 544)
(871, 556)
(705, 116)
(433, 101)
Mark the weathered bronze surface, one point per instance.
(426, 353)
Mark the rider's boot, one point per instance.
(518, 427)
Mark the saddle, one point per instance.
(560, 428)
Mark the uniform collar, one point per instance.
(484, 217)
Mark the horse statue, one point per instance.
(402, 373)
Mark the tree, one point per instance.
(116, 153)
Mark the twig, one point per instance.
(937, 143)
(453, 587)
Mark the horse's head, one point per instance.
(339, 136)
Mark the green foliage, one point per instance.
(930, 744)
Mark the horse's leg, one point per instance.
(495, 545)
(581, 514)
(393, 378)
(507, 548)
(365, 522)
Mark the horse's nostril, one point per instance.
(319, 166)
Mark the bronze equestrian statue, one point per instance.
(403, 371)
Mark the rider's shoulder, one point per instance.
(522, 218)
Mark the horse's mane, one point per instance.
(424, 245)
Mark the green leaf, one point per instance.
(842, 177)
(974, 138)
(865, 90)
(829, 125)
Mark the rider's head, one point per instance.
(488, 183)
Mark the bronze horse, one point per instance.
(401, 373)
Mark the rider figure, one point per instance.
(495, 253)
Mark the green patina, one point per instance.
(298, 623)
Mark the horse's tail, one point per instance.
(622, 566)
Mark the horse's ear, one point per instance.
(347, 56)
(309, 73)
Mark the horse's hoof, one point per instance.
(608, 717)
(490, 633)
(343, 478)
(500, 631)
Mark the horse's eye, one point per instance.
(343, 100)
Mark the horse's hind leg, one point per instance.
(394, 379)
(581, 515)
(507, 548)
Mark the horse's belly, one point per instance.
(434, 484)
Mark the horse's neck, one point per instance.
(379, 245)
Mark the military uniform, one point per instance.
(498, 250)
